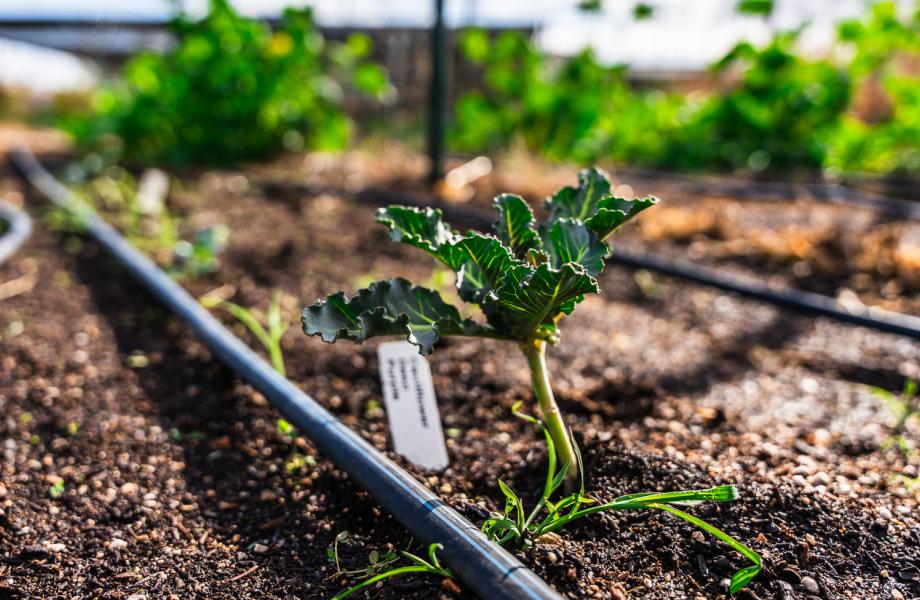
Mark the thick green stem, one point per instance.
(535, 351)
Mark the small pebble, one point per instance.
(698, 536)
(572, 573)
(810, 539)
(260, 548)
(885, 513)
(117, 544)
(552, 558)
(821, 478)
(810, 585)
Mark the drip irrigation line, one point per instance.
(20, 228)
(486, 568)
(783, 191)
(801, 301)
(797, 300)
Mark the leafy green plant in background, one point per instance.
(524, 278)
(567, 109)
(778, 117)
(766, 108)
(231, 89)
(114, 194)
(763, 8)
(886, 55)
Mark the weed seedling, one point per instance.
(57, 489)
(432, 566)
(199, 257)
(905, 407)
(523, 277)
(269, 334)
(296, 460)
(519, 527)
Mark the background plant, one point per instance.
(570, 108)
(231, 89)
(114, 193)
(886, 67)
(524, 278)
(779, 116)
(763, 108)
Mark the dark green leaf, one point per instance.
(390, 307)
(570, 241)
(612, 212)
(742, 577)
(423, 228)
(487, 262)
(530, 298)
(763, 8)
(643, 11)
(581, 202)
(515, 225)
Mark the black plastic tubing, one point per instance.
(20, 228)
(483, 566)
(797, 300)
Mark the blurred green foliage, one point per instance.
(231, 89)
(886, 62)
(755, 7)
(766, 108)
(562, 108)
(114, 193)
(778, 116)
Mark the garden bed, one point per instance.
(669, 385)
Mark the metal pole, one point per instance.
(437, 97)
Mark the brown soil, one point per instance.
(668, 385)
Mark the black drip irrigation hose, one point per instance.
(20, 228)
(483, 566)
(782, 191)
(798, 300)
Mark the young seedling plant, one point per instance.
(517, 526)
(269, 334)
(905, 406)
(524, 277)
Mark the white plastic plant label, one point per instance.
(412, 408)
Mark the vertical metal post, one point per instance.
(437, 96)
